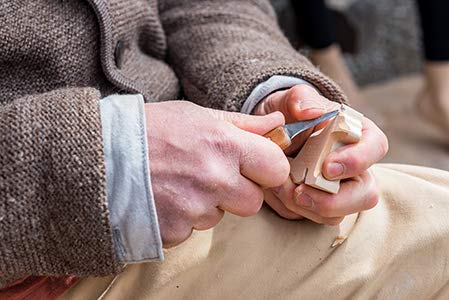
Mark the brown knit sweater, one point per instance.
(58, 58)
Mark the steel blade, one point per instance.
(293, 129)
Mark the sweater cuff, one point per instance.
(275, 83)
(130, 198)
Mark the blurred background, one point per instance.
(387, 36)
(381, 47)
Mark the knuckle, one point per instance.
(255, 201)
(383, 145)
(271, 164)
(380, 136)
(214, 179)
(246, 201)
(326, 207)
(216, 219)
(354, 163)
(270, 104)
(219, 139)
(209, 220)
(226, 184)
(175, 233)
(289, 203)
(282, 171)
(301, 90)
(371, 191)
(372, 198)
(279, 167)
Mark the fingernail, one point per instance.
(308, 104)
(304, 200)
(335, 169)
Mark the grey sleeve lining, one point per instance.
(130, 198)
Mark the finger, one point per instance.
(262, 161)
(254, 124)
(351, 160)
(175, 233)
(334, 221)
(281, 199)
(244, 199)
(355, 195)
(276, 204)
(286, 195)
(209, 219)
(309, 104)
(274, 197)
(301, 102)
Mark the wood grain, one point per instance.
(306, 168)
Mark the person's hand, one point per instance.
(204, 162)
(358, 190)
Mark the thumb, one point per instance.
(298, 103)
(254, 124)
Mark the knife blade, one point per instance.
(284, 135)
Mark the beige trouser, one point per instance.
(398, 250)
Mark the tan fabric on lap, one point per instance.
(398, 250)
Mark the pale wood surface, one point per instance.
(306, 168)
(412, 139)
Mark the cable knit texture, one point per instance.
(58, 58)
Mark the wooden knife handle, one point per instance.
(279, 137)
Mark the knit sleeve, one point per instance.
(53, 209)
(221, 50)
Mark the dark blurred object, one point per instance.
(311, 23)
(388, 36)
(346, 33)
(315, 22)
(435, 23)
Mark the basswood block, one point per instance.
(345, 128)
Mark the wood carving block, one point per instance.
(345, 128)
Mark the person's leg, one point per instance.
(398, 250)
(316, 25)
(435, 23)
(434, 100)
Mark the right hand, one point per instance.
(350, 163)
(204, 162)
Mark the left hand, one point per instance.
(350, 163)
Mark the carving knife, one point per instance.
(284, 135)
